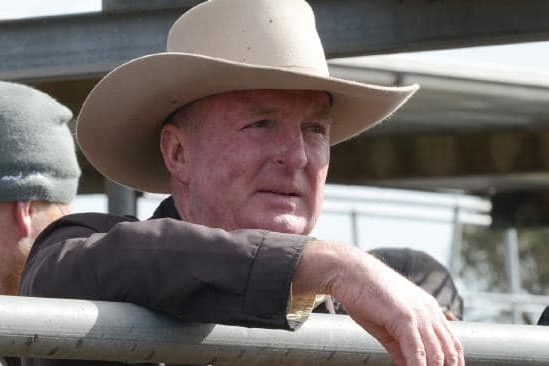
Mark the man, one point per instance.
(244, 112)
(38, 173)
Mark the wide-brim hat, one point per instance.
(216, 47)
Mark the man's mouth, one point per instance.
(289, 193)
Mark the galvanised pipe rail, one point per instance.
(80, 329)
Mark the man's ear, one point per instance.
(174, 153)
(22, 214)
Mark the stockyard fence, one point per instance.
(97, 330)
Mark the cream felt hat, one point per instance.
(217, 46)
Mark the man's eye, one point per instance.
(316, 128)
(259, 124)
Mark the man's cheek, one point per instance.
(236, 172)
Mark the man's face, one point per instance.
(257, 159)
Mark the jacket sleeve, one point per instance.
(189, 271)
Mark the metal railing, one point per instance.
(95, 330)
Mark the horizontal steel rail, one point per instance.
(80, 329)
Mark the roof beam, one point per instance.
(92, 44)
(357, 27)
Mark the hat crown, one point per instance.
(280, 34)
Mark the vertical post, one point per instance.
(122, 200)
(354, 227)
(454, 261)
(512, 267)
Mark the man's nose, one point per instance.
(292, 152)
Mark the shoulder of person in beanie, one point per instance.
(245, 112)
(38, 173)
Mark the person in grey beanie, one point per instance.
(38, 173)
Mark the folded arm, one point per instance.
(189, 271)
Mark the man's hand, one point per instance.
(406, 320)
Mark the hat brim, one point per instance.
(120, 121)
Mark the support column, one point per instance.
(512, 265)
(122, 200)
(455, 251)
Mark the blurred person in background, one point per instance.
(426, 272)
(38, 173)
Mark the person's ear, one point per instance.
(23, 219)
(174, 152)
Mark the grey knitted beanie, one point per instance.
(37, 154)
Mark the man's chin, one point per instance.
(288, 224)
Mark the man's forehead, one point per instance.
(271, 101)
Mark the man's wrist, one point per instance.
(319, 267)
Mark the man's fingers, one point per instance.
(422, 341)
(453, 348)
(435, 346)
(411, 344)
(442, 348)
